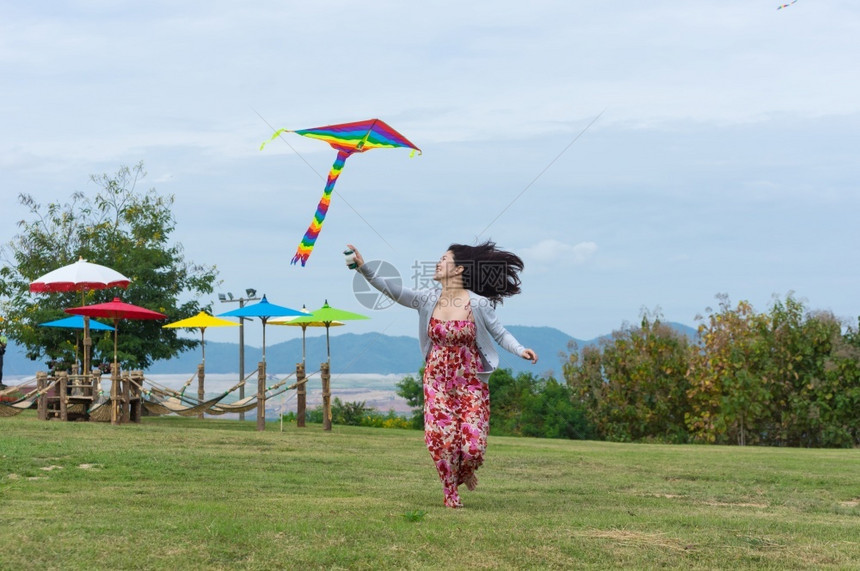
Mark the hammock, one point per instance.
(182, 405)
(175, 402)
(244, 405)
(100, 410)
(175, 406)
(250, 403)
(8, 409)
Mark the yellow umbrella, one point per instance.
(201, 321)
(290, 320)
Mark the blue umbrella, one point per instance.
(76, 322)
(264, 310)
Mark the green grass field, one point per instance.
(178, 493)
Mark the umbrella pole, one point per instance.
(263, 319)
(325, 374)
(201, 372)
(304, 329)
(87, 344)
(114, 386)
(301, 391)
(87, 340)
(77, 360)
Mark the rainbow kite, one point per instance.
(346, 139)
(786, 5)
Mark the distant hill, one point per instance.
(351, 353)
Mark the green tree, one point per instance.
(412, 390)
(804, 347)
(729, 396)
(349, 413)
(787, 377)
(525, 405)
(120, 227)
(839, 392)
(633, 386)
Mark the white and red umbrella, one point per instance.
(81, 276)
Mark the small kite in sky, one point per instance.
(786, 5)
(346, 139)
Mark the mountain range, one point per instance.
(350, 353)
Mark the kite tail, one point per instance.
(306, 246)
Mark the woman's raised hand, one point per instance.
(359, 261)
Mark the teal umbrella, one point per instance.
(76, 322)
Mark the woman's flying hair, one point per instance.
(487, 270)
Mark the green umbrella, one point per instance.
(327, 315)
(304, 325)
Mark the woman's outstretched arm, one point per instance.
(392, 288)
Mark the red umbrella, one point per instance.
(116, 310)
(80, 276)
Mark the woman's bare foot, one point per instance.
(471, 482)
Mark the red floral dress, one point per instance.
(456, 406)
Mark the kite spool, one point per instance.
(350, 259)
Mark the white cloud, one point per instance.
(551, 251)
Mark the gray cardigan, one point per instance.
(487, 325)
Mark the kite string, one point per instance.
(546, 168)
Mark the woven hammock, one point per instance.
(100, 410)
(175, 406)
(244, 405)
(8, 409)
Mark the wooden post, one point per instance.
(325, 374)
(301, 395)
(114, 394)
(41, 383)
(95, 380)
(261, 396)
(126, 397)
(64, 399)
(136, 396)
(201, 394)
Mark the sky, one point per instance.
(636, 155)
